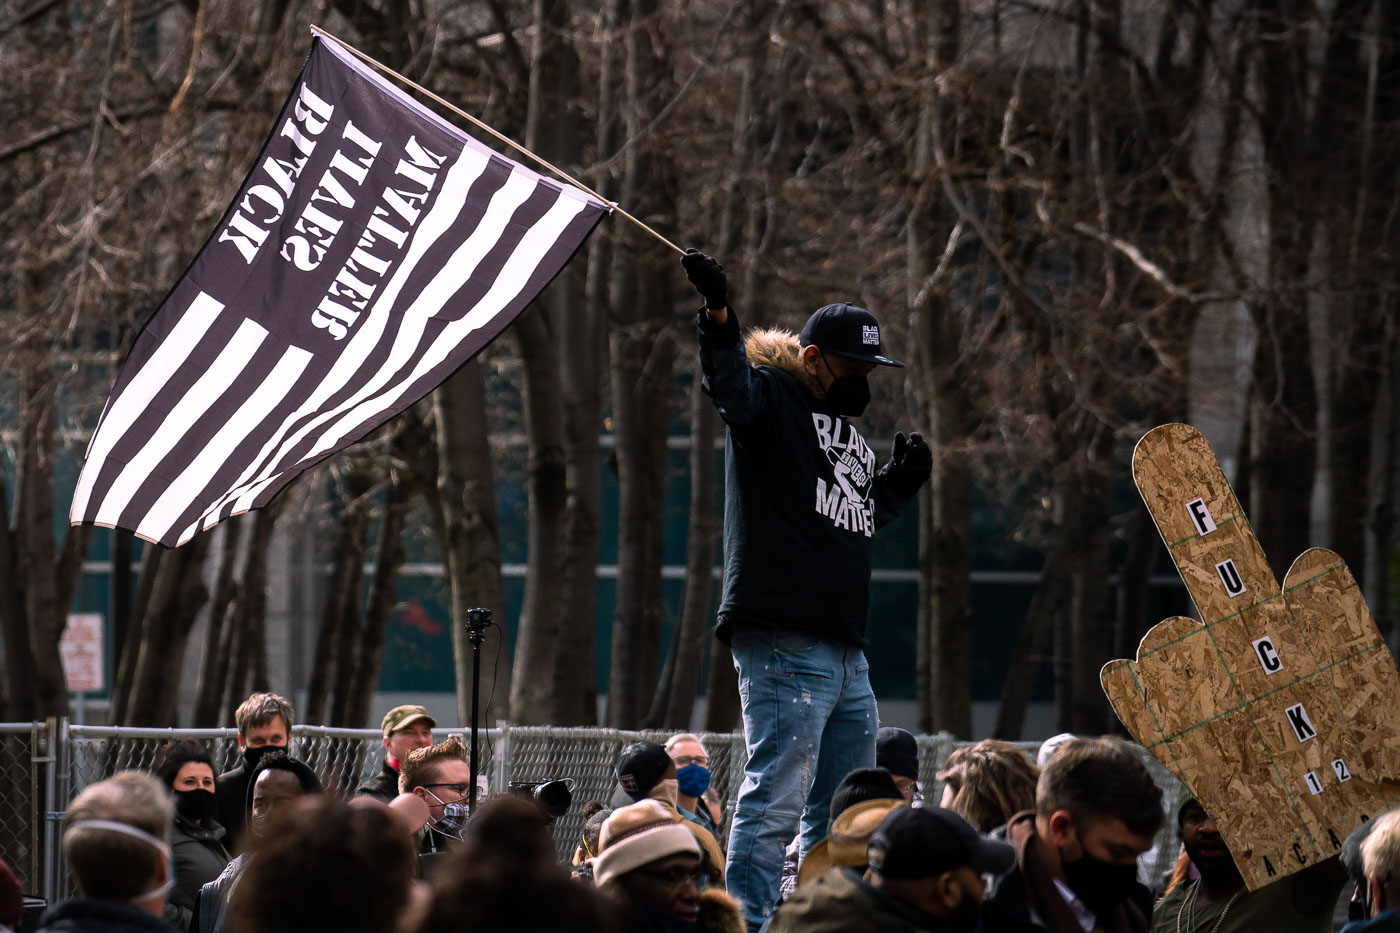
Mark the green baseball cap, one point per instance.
(400, 716)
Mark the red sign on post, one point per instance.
(83, 657)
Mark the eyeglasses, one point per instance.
(461, 788)
(684, 760)
(677, 877)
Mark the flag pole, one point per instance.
(317, 30)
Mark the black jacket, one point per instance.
(97, 916)
(802, 493)
(231, 795)
(384, 785)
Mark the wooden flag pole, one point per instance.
(317, 30)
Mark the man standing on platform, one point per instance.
(802, 499)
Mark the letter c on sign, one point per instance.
(1268, 657)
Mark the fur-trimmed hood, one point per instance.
(720, 913)
(779, 348)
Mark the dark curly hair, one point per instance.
(175, 755)
(329, 866)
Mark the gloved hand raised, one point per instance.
(707, 275)
(912, 460)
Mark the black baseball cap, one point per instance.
(640, 768)
(920, 842)
(847, 331)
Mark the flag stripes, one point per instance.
(320, 309)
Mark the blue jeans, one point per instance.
(809, 719)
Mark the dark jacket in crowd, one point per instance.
(200, 856)
(803, 496)
(97, 916)
(1030, 889)
(842, 902)
(384, 785)
(1388, 922)
(231, 796)
(214, 897)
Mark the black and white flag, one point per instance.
(372, 250)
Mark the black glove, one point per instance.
(911, 463)
(707, 275)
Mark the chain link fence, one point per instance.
(343, 758)
(23, 750)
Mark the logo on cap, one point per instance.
(869, 335)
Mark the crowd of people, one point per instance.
(829, 831)
(1013, 846)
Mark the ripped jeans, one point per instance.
(809, 719)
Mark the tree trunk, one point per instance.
(472, 539)
(335, 641)
(176, 597)
(1050, 601)
(214, 659)
(354, 704)
(46, 618)
(17, 691)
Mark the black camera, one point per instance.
(554, 795)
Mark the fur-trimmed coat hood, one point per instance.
(720, 913)
(779, 348)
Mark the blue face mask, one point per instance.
(693, 779)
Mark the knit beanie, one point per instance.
(639, 835)
(863, 784)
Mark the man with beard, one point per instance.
(1096, 809)
(802, 499)
(264, 723)
(1218, 902)
(926, 868)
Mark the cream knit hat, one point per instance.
(638, 835)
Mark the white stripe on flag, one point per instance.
(148, 382)
(514, 274)
(350, 363)
(222, 372)
(179, 495)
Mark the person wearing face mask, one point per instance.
(645, 771)
(803, 496)
(1096, 809)
(196, 837)
(926, 871)
(1217, 902)
(441, 775)
(264, 723)
(692, 779)
(116, 844)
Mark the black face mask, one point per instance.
(196, 805)
(847, 395)
(252, 755)
(1100, 885)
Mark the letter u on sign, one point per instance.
(1230, 577)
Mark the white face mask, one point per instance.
(126, 829)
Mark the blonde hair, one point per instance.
(991, 781)
(260, 709)
(111, 865)
(1380, 852)
(421, 764)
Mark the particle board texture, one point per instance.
(1280, 708)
